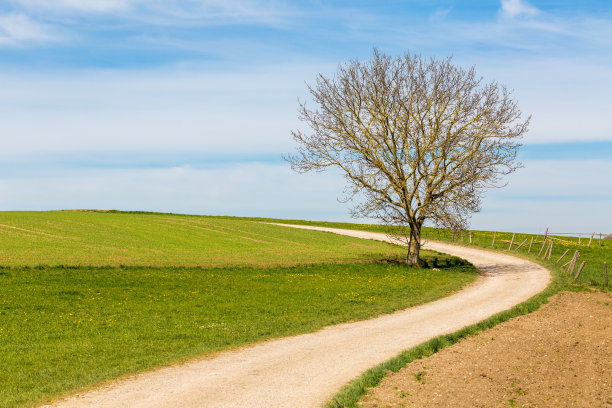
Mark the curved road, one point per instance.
(306, 370)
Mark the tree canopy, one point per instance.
(416, 138)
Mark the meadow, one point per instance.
(594, 256)
(86, 297)
(96, 238)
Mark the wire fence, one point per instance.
(584, 256)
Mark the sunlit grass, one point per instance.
(600, 251)
(102, 239)
(593, 256)
(65, 328)
(69, 325)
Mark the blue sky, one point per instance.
(187, 106)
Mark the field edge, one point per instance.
(350, 394)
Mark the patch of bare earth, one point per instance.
(559, 356)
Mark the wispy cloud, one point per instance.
(121, 23)
(515, 8)
(439, 15)
(544, 193)
(18, 29)
(241, 189)
(85, 6)
(517, 27)
(215, 112)
(220, 11)
(169, 12)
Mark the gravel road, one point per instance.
(306, 370)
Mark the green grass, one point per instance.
(592, 277)
(67, 325)
(594, 256)
(102, 239)
(351, 393)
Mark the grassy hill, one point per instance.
(87, 238)
(86, 297)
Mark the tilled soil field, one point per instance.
(558, 356)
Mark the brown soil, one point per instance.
(559, 356)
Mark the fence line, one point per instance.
(573, 267)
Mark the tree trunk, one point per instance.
(414, 245)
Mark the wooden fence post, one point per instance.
(546, 246)
(546, 234)
(573, 265)
(570, 268)
(493, 242)
(565, 253)
(570, 261)
(550, 248)
(591, 240)
(579, 270)
(543, 243)
(522, 243)
(511, 241)
(579, 238)
(470, 237)
(530, 243)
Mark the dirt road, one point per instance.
(305, 371)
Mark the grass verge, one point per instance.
(592, 278)
(351, 393)
(593, 274)
(67, 327)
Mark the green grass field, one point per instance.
(71, 317)
(102, 239)
(600, 251)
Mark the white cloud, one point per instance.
(16, 29)
(245, 189)
(578, 35)
(567, 97)
(564, 195)
(439, 15)
(89, 6)
(249, 111)
(514, 8)
(168, 12)
(543, 194)
(243, 10)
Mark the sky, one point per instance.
(187, 106)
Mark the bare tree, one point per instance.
(417, 139)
